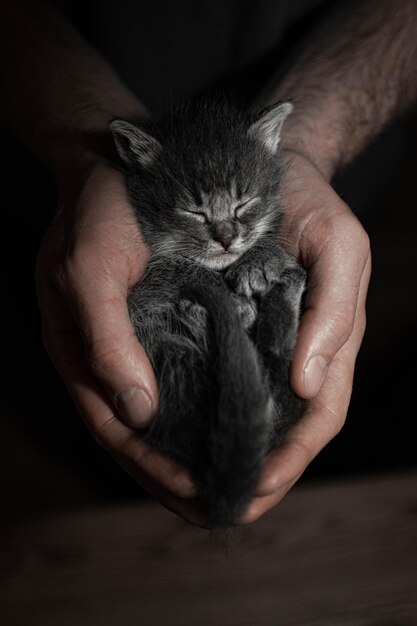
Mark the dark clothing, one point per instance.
(164, 48)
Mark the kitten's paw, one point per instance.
(294, 281)
(247, 310)
(194, 311)
(255, 277)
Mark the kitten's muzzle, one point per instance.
(224, 233)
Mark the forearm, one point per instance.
(57, 92)
(356, 74)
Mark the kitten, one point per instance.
(217, 311)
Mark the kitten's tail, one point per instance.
(240, 429)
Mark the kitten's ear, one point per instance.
(133, 144)
(267, 127)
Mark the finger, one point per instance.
(181, 503)
(124, 443)
(95, 287)
(260, 505)
(336, 264)
(325, 415)
(321, 423)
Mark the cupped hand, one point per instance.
(321, 230)
(90, 256)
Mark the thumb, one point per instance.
(337, 270)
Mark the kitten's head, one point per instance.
(204, 179)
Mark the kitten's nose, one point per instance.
(224, 233)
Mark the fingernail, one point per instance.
(135, 407)
(314, 373)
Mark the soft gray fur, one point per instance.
(218, 308)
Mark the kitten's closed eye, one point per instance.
(238, 211)
(201, 217)
(244, 206)
(198, 215)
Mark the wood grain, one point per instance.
(338, 554)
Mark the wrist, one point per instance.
(332, 129)
(314, 130)
(302, 142)
(319, 130)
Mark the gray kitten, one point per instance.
(217, 311)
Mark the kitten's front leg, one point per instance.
(258, 269)
(246, 308)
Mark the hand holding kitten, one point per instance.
(88, 259)
(322, 231)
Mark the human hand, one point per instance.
(90, 256)
(323, 233)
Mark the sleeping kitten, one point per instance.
(217, 311)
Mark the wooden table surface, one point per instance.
(333, 554)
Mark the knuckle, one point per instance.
(76, 260)
(65, 276)
(75, 265)
(303, 451)
(142, 457)
(331, 420)
(338, 227)
(101, 435)
(251, 515)
(103, 356)
(337, 424)
(357, 238)
(341, 322)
